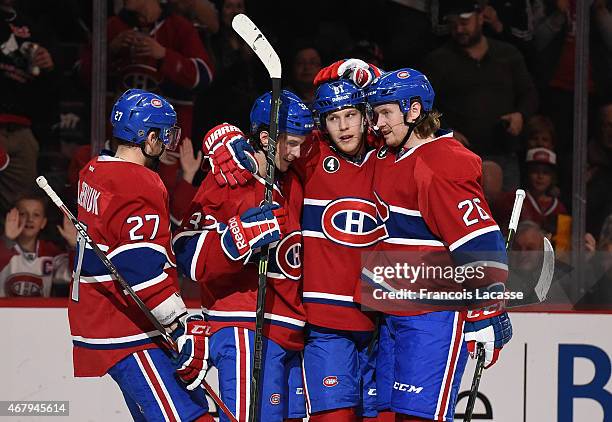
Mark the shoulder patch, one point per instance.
(331, 164)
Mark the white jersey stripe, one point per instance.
(151, 386)
(117, 340)
(321, 295)
(237, 345)
(471, 236)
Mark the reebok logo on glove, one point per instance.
(239, 241)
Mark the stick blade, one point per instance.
(548, 269)
(249, 32)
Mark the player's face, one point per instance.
(32, 212)
(345, 128)
(288, 150)
(540, 177)
(390, 120)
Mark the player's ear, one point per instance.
(415, 111)
(263, 138)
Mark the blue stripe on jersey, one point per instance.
(486, 247)
(311, 217)
(112, 346)
(330, 302)
(135, 265)
(185, 248)
(404, 226)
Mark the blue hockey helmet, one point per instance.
(137, 112)
(293, 117)
(402, 87)
(336, 95)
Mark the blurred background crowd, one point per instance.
(503, 72)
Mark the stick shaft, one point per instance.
(516, 213)
(42, 182)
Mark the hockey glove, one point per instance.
(229, 154)
(493, 331)
(191, 337)
(358, 71)
(255, 228)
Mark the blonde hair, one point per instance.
(429, 125)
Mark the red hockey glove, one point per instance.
(191, 338)
(230, 156)
(358, 71)
(255, 228)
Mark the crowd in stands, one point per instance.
(503, 72)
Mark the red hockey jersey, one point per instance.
(229, 288)
(431, 202)
(125, 209)
(338, 225)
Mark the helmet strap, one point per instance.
(412, 125)
(151, 156)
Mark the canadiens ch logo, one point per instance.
(352, 222)
(330, 381)
(288, 254)
(275, 399)
(331, 164)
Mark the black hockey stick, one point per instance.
(480, 352)
(249, 32)
(44, 185)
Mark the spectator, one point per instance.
(599, 196)
(369, 52)
(492, 179)
(304, 65)
(485, 92)
(540, 205)
(240, 79)
(407, 32)
(540, 132)
(599, 287)
(25, 76)
(152, 48)
(30, 266)
(202, 12)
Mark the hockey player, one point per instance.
(338, 225)
(214, 249)
(430, 199)
(124, 206)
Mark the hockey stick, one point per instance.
(44, 185)
(480, 352)
(249, 32)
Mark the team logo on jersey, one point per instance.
(288, 253)
(330, 381)
(382, 153)
(402, 74)
(156, 102)
(23, 285)
(352, 222)
(331, 164)
(275, 399)
(299, 391)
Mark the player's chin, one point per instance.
(284, 165)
